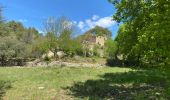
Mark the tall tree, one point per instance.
(60, 33)
(146, 25)
(58, 25)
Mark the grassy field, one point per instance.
(83, 83)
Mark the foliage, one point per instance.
(16, 41)
(60, 35)
(40, 47)
(19, 42)
(52, 42)
(4, 85)
(111, 49)
(9, 47)
(144, 36)
(68, 44)
(100, 31)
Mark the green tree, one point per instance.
(29, 35)
(111, 49)
(60, 35)
(69, 44)
(146, 25)
(15, 28)
(8, 48)
(18, 42)
(100, 31)
(39, 47)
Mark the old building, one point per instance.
(100, 40)
(95, 43)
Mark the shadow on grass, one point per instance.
(4, 85)
(133, 85)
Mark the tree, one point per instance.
(7, 48)
(111, 49)
(3, 28)
(16, 28)
(58, 25)
(29, 35)
(146, 24)
(60, 34)
(100, 31)
(18, 42)
(125, 40)
(69, 44)
(39, 47)
(1, 17)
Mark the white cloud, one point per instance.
(81, 25)
(40, 31)
(105, 22)
(95, 17)
(89, 23)
(23, 20)
(74, 22)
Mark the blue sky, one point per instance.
(85, 13)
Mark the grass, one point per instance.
(83, 83)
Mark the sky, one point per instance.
(86, 14)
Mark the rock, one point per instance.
(29, 64)
(60, 54)
(63, 64)
(50, 54)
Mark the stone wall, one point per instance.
(100, 40)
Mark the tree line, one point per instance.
(19, 44)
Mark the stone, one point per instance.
(50, 54)
(60, 54)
